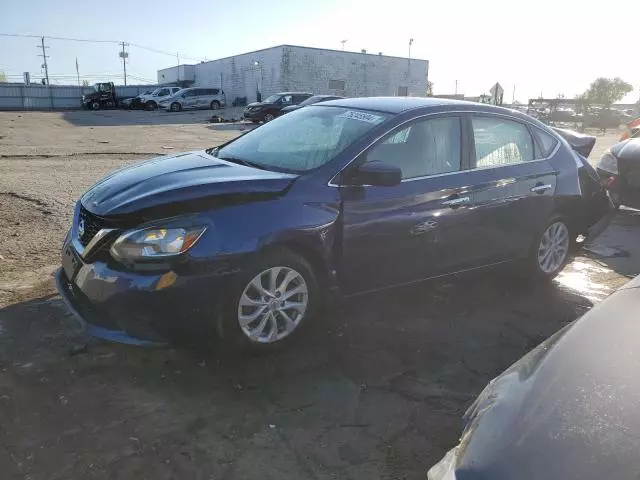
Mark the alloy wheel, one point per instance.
(273, 304)
(554, 247)
(268, 117)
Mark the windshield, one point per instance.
(272, 99)
(155, 92)
(302, 140)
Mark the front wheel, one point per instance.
(270, 303)
(175, 107)
(215, 105)
(95, 105)
(151, 106)
(268, 117)
(550, 251)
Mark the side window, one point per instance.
(214, 91)
(190, 93)
(546, 143)
(501, 142)
(286, 99)
(299, 98)
(174, 90)
(426, 147)
(163, 92)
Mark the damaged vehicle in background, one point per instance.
(619, 169)
(567, 410)
(310, 101)
(151, 101)
(247, 240)
(272, 106)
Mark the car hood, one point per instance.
(260, 104)
(568, 409)
(179, 178)
(629, 150)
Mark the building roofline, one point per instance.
(285, 45)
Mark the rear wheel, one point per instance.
(268, 117)
(550, 251)
(151, 106)
(270, 303)
(95, 105)
(215, 105)
(175, 107)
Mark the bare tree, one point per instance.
(429, 88)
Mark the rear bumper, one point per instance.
(595, 230)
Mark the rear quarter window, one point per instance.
(545, 143)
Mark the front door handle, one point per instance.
(456, 202)
(540, 188)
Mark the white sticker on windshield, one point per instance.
(363, 117)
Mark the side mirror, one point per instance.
(378, 174)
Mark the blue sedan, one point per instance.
(246, 241)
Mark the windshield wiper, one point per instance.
(242, 161)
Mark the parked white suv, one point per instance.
(151, 101)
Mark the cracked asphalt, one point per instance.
(373, 390)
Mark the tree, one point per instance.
(3, 77)
(429, 88)
(605, 91)
(85, 83)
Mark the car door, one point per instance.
(190, 99)
(418, 228)
(514, 187)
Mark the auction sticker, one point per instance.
(362, 116)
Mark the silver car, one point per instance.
(192, 98)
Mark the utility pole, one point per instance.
(124, 55)
(456, 92)
(343, 42)
(77, 71)
(178, 68)
(513, 96)
(44, 56)
(410, 43)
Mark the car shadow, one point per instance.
(122, 117)
(618, 247)
(376, 385)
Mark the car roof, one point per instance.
(294, 93)
(398, 105)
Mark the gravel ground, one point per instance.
(374, 390)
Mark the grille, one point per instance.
(92, 225)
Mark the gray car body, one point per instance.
(567, 410)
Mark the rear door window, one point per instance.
(500, 142)
(546, 143)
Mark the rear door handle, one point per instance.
(540, 188)
(456, 202)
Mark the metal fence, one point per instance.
(18, 96)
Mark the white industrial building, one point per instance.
(304, 69)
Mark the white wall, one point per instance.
(291, 68)
(175, 74)
(239, 76)
(310, 69)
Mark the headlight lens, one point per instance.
(608, 163)
(149, 243)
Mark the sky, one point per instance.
(547, 47)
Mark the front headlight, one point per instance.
(149, 243)
(608, 163)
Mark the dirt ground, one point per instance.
(374, 390)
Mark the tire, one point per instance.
(215, 105)
(151, 106)
(233, 324)
(95, 105)
(175, 107)
(268, 117)
(546, 266)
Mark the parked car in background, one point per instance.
(272, 107)
(249, 238)
(150, 101)
(194, 98)
(309, 101)
(619, 169)
(133, 102)
(566, 410)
